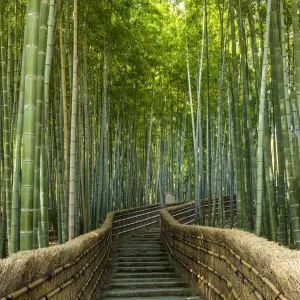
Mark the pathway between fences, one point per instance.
(155, 252)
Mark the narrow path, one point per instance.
(142, 271)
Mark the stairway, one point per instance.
(142, 271)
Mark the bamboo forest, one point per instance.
(107, 107)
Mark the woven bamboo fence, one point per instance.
(229, 263)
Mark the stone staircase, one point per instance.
(142, 271)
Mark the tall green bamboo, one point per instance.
(292, 185)
(15, 223)
(208, 145)
(73, 129)
(39, 111)
(108, 205)
(43, 223)
(30, 95)
(199, 143)
(6, 135)
(280, 150)
(237, 125)
(219, 126)
(9, 59)
(65, 127)
(86, 141)
(196, 164)
(286, 80)
(59, 154)
(248, 131)
(147, 187)
(50, 140)
(260, 140)
(231, 155)
(296, 38)
(17, 59)
(254, 51)
(269, 195)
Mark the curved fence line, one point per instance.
(230, 264)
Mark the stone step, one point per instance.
(144, 268)
(147, 284)
(142, 263)
(142, 245)
(142, 242)
(142, 258)
(136, 252)
(140, 253)
(158, 298)
(148, 292)
(147, 235)
(148, 280)
(145, 275)
(137, 247)
(141, 248)
(147, 238)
